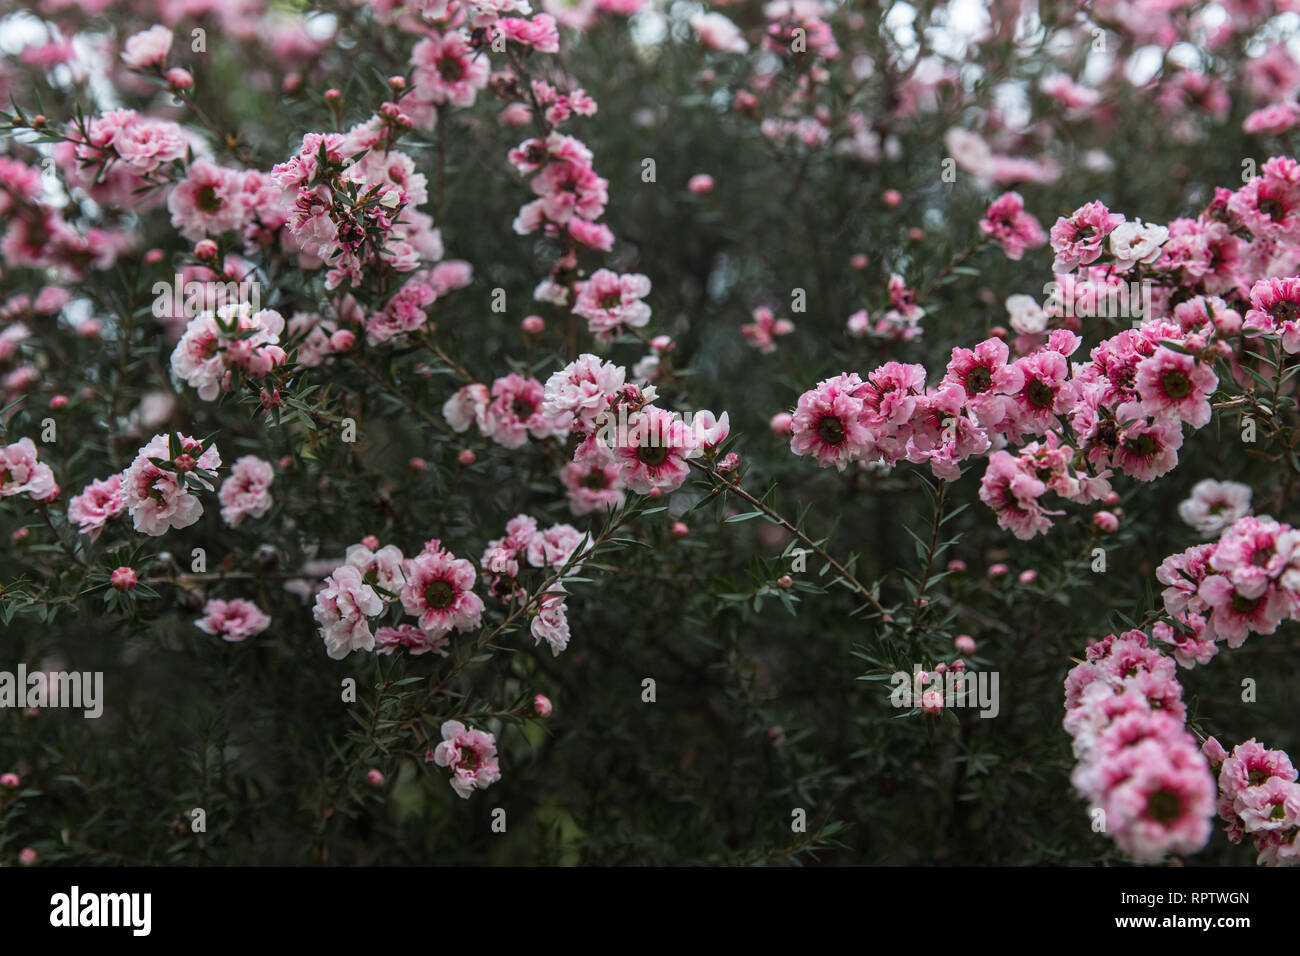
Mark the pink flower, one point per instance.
(471, 755)
(247, 492)
(553, 547)
(1014, 229)
(765, 327)
(410, 637)
(1171, 383)
(382, 568)
(207, 201)
(516, 411)
(608, 301)
(148, 48)
(21, 473)
(467, 407)
(1269, 205)
(233, 621)
(447, 70)
(718, 33)
(1079, 239)
(1215, 505)
(550, 623)
(158, 498)
(652, 451)
(827, 423)
(1146, 450)
(591, 488)
(439, 590)
(342, 609)
(582, 390)
(1275, 119)
(1013, 495)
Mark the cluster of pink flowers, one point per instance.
(470, 755)
(160, 487)
(1247, 582)
(233, 340)
(377, 227)
(550, 548)
(508, 413)
(22, 474)
(620, 428)
(1123, 410)
(435, 587)
(1259, 798)
(1137, 763)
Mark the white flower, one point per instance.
(1027, 316)
(1135, 241)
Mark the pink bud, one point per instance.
(90, 329)
(781, 423)
(292, 82)
(19, 534)
(785, 582)
(418, 464)
(397, 82)
(370, 543)
(964, 643)
(1028, 577)
(661, 343)
(286, 462)
(205, 249)
(859, 260)
(342, 340)
(932, 703)
(9, 780)
(1105, 522)
(123, 579)
(179, 79)
(956, 564)
(58, 401)
(27, 857)
(998, 332)
(542, 704)
(332, 95)
(533, 325)
(375, 778)
(185, 463)
(153, 257)
(700, 184)
(680, 530)
(467, 456)
(997, 570)
(1112, 498)
(654, 493)
(891, 198)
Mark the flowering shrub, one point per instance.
(683, 434)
